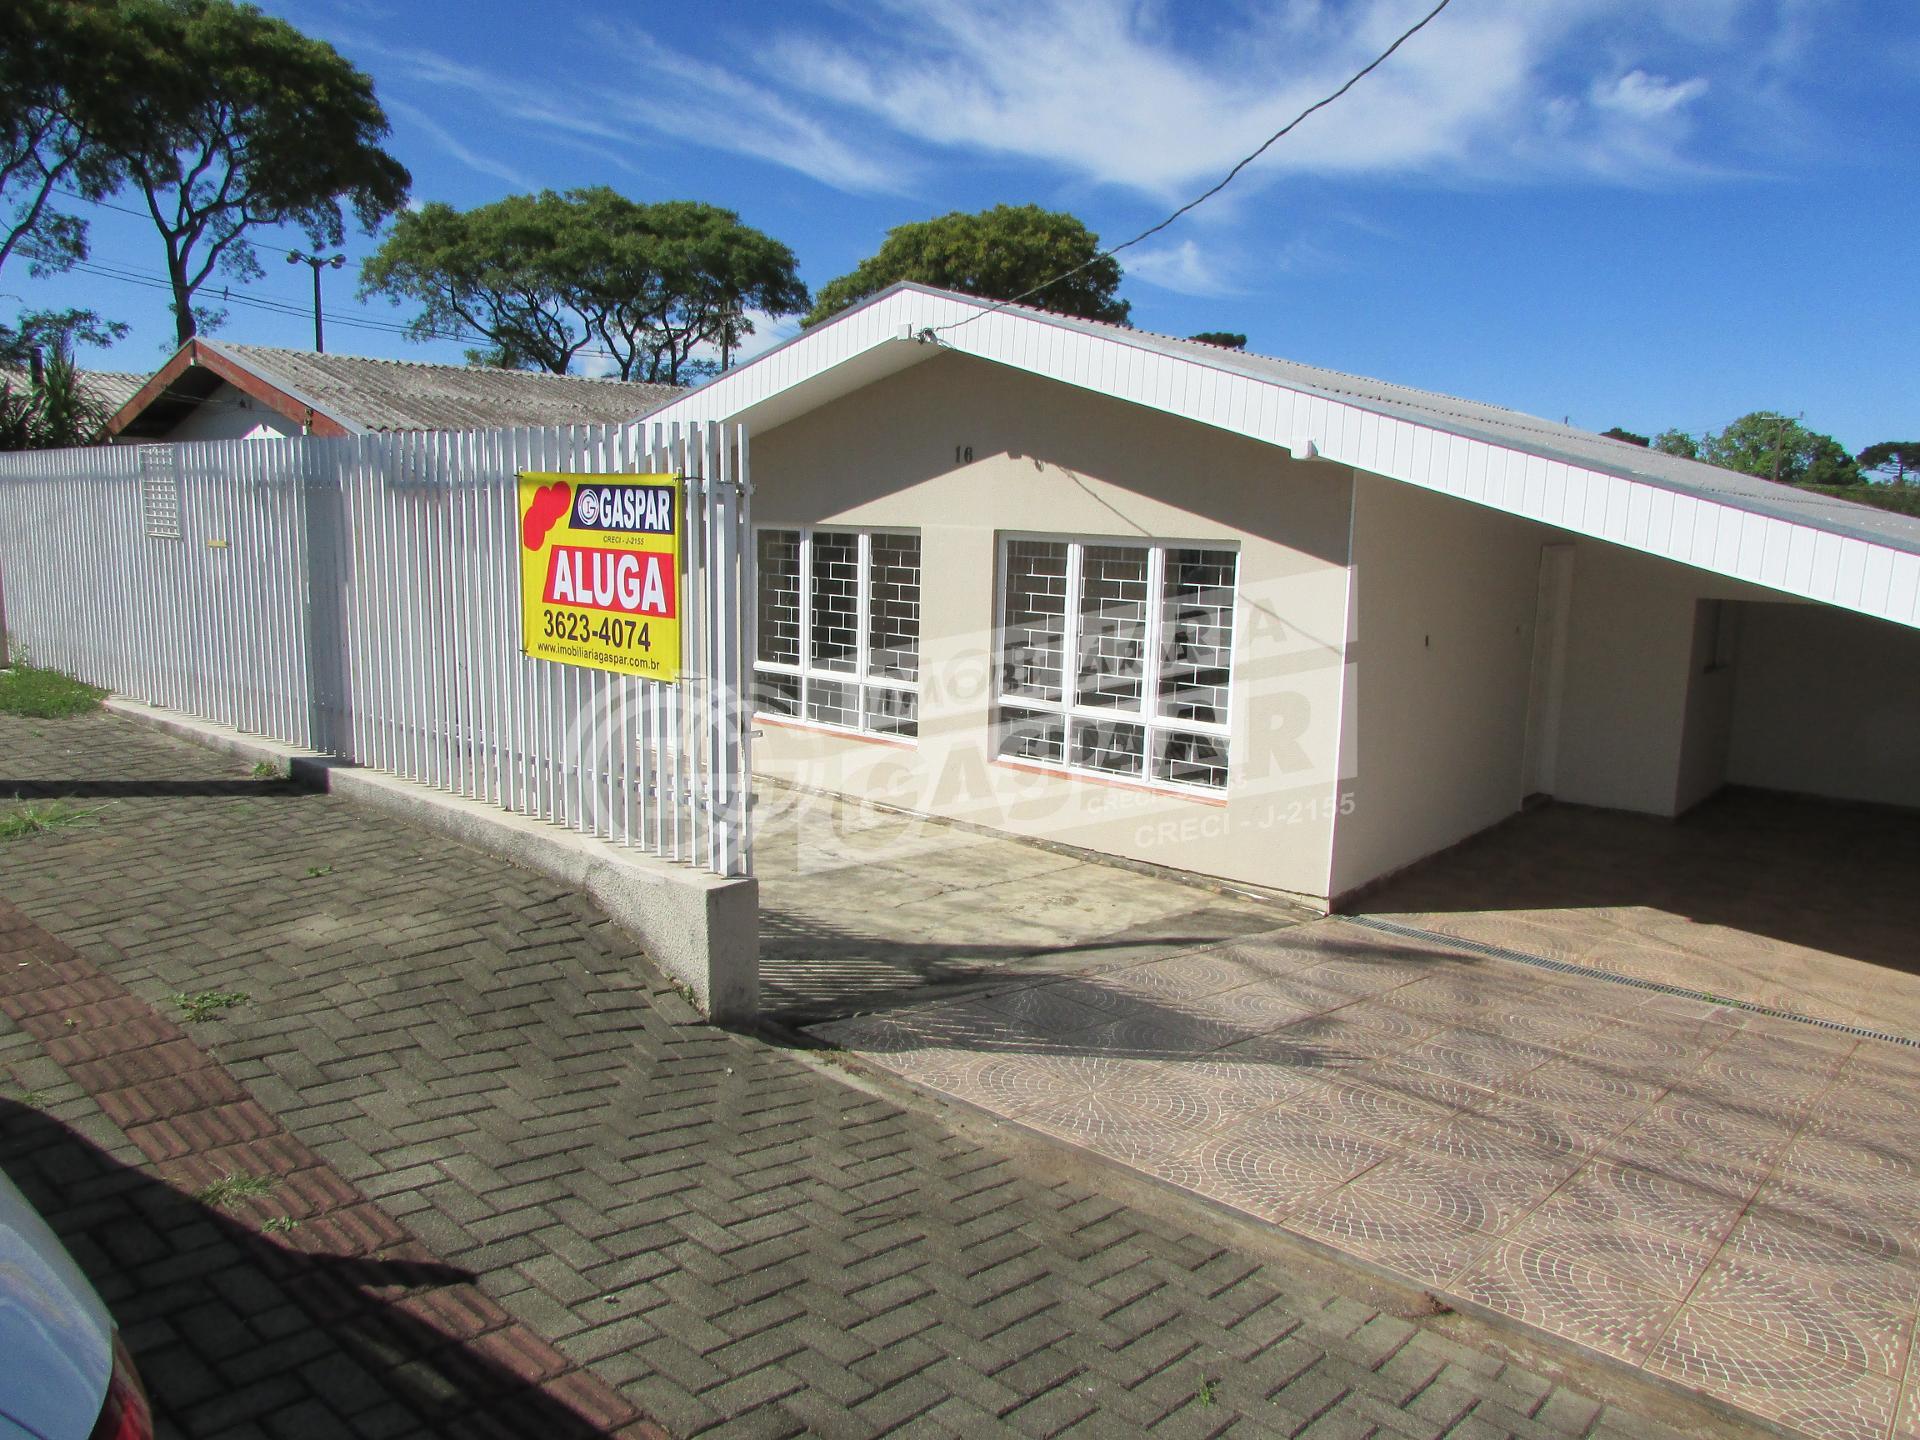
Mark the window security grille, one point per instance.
(839, 629)
(1149, 629)
(159, 493)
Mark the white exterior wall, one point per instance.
(1707, 721)
(1826, 703)
(1444, 597)
(1055, 460)
(1644, 725)
(232, 414)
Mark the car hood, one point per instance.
(55, 1335)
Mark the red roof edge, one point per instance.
(197, 354)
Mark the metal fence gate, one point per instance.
(360, 597)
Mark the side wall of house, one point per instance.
(229, 413)
(1645, 721)
(1826, 703)
(1441, 655)
(1049, 459)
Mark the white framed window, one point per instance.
(839, 628)
(1115, 658)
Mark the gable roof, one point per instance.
(355, 394)
(1800, 543)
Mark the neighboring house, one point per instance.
(1274, 623)
(211, 390)
(109, 389)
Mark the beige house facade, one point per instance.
(1284, 627)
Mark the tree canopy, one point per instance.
(1225, 339)
(676, 275)
(52, 410)
(542, 278)
(1620, 433)
(1778, 447)
(1893, 460)
(231, 119)
(57, 114)
(1770, 445)
(996, 254)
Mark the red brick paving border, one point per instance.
(197, 1124)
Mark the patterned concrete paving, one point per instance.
(1801, 905)
(1725, 1200)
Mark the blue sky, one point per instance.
(1643, 212)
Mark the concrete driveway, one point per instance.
(1808, 906)
(863, 908)
(1720, 1197)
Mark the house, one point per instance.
(108, 389)
(1274, 623)
(212, 390)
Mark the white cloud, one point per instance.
(1183, 268)
(682, 99)
(1148, 97)
(472, 159)
(1647, 97)
(1105, 90)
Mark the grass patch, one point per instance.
(39, 816)
(266, 770)
(228, 1191)
(45, 694)
(206, 1004)
(280, 1225)
(36, 1099)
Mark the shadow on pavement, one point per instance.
(147, 789)
(237, 1333)
(1825, 875)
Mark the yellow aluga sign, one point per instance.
(600, 572)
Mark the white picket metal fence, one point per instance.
(360, 597)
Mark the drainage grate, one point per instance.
(1541, 962)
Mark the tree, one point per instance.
(1616, 433)
(56, 103)
(1225, 339)
(996, 254)
(1778, 447)
(54, 330)
(1677, 442)
(54, 99)
(512, 271)
(677, 275)
(1893, 459)
(233, 120)
(52, 411)
(542, 277)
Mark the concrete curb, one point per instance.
(703, 930)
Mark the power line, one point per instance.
(144, 215)
(274, 306)
(1201, 199)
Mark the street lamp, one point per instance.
(294, 257)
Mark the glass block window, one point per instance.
(1115, 657)
(839, 629)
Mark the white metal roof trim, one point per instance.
(1796, 558)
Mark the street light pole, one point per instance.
(316, 262)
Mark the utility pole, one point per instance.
(316, 262)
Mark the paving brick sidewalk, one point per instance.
(738, 1242)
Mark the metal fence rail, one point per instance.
(360, 597)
